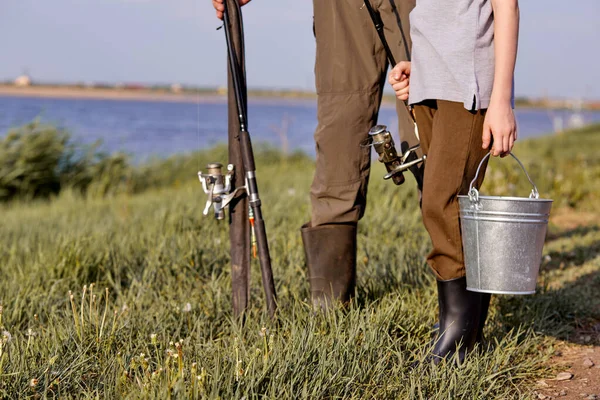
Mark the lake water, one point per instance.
(152, 128)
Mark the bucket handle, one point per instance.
(474, 193)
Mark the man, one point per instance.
(350, 73)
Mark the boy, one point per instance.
(460, 83)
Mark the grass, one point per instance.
(128, 295)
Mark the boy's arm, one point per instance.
(219, 8)
(500, 121)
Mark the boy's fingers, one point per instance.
(402, 95)
(405, 67)
(400, 85)
(392, 79)
(505, 144)
(401, 69)
(495, 151)
(486, 137)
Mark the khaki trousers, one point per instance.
(350, 72)
(451, 139)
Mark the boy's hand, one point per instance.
(500, 124)
(219, 7)
(400, 79)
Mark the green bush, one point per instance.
(38, 160)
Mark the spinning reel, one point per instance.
(383, 143)
(218, 188)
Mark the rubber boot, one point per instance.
(331, 259)
(459, 319)
(485, 306)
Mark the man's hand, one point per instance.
(219, 7)
(400, 79)
(500, 124)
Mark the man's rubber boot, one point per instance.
(331, 259)
(459, 319)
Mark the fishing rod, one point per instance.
(379, 137)
(378, 22)
(219, 187)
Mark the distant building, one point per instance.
(176, 88)
(134, 86)
(22, 81)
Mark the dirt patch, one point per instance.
(577, 370)
(576, 362)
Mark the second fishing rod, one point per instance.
(250, 168)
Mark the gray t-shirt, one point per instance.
(452, 52)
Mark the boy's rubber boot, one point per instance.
(485, 306)
(331, 260)
(459, 319)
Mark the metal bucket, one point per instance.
(503, 239)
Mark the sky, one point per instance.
(176, 41)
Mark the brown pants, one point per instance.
(350, 72)
(451, 139)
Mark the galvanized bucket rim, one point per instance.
(532, 199)
(492, 291)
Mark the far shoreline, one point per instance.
(150, 95)
(214, 97)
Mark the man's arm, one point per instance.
(219, 7)
(500, 120)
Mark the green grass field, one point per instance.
(127, 295)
